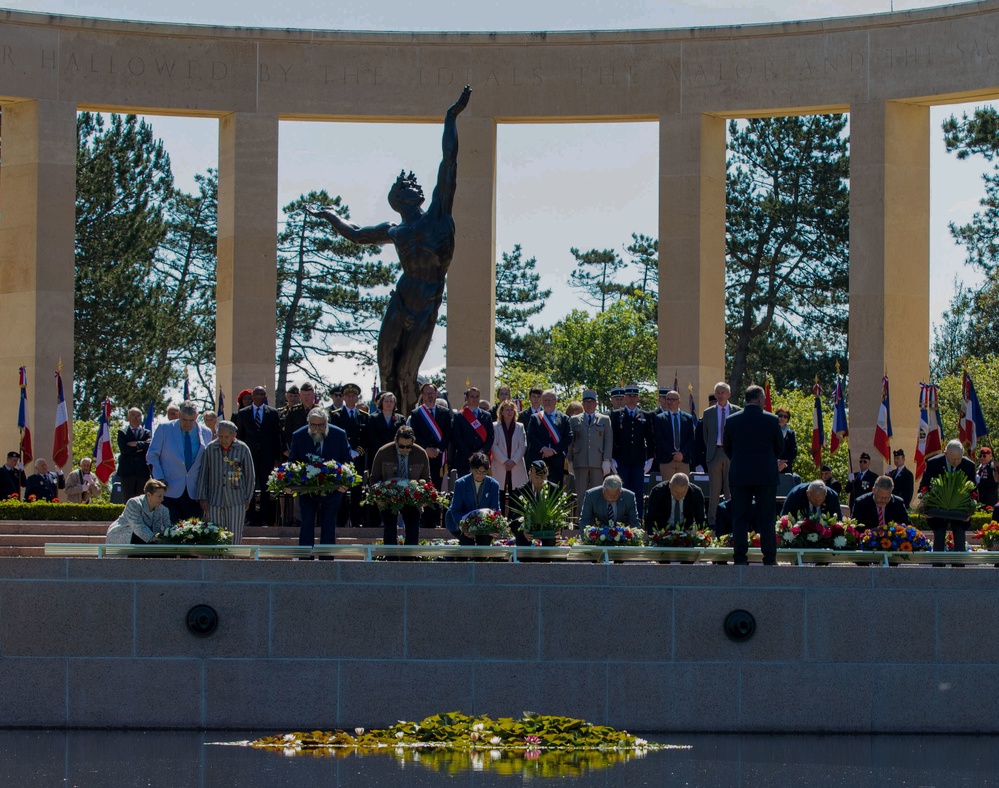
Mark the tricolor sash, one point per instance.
(552, 432)
(428, 416)
(472, 419)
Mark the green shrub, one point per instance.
(43, 510)
(978, 520)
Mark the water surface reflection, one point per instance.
(96, 759)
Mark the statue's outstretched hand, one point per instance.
(455, 109)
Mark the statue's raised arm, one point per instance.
(378, 234)
(447, 175)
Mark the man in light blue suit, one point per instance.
(319, 438)
(476, 490)
(609, 503)
(175, 456)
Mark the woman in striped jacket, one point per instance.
(226, 481)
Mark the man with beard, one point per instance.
(320, 439)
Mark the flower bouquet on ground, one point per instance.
(194, 531)
(728, 540)
(395, 494)
(989, 536)
(312, 476)
(485, 522)
(544, 514)
(900, 538)
(951, 496)
(826, 531)
(615, 535)
(697, 536)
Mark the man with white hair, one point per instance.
(319, 438)
(175, 457)
(674, 504)
(810, 500)
(951, 461)
(81, 485)
(133, 443)
(713, 422)
(43, 484)
(549, 436)
(610, 503)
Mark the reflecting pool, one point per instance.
(96, 759)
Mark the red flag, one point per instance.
(60, 440)
(930, 442)
(768, 404)
(103, 452)
(882, 433)
(22, 418)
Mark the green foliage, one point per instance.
(985, 373)
(787, 243)
(801, 404)
(595, 275)
(76, 512)
(950, 491)
(978, 520)
(544, 513)
(327, 291)
(518, 298)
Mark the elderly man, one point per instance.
(175, 458)
(752, 442)
(609, 503)
(321, 439)
(811, 500)
(674, 504)
(549, 436)
(716, 461)
(592, 446)
(951, 461)
(400, 459)
(259, 427)
(133, 443)
(227, 480)
(43, 484)
(81, 485)
(11, 477)
(880, 507)
(673, 431)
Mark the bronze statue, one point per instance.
(425, 245)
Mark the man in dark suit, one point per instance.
(675, 503)
(830, 481)
(988, 484)
(863, 480)
(752, 441)
(534, 395)
(133, 442)
(320, 438)
(902, 477)
(475, 490)
(785, 463)
(951, 461)
(471, 432)
(259, 426)
(43, 484)
(11, 477)
(355, 423)
(880, 507)
(609, 502)
(549, 436)
(716, 461)
(673, 433)
(431, 424)
(811, 499)
(634, 445)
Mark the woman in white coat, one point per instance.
(144, 516)
(509, 448)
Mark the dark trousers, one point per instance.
(940, 534)
(182, 508)
(742, 521)
(523, 541)
(351, 508)
(410, 519)
(633, 478)
(131, 486)
(468, 541)
(556, 468)
(325, 507)
(261, 511)
(432, 514)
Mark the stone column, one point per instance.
(471, 281)
(37, 235)
(692, 252)
(247, 254)
(889, 268)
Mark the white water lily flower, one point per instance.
(289, 737)
(359, 731)
(495, 754)
(474, 736)
(495, 740)
(478, 726)
(399, 734)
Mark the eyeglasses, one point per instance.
(404, 446)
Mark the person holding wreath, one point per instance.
(400, 459)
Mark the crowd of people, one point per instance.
(218, 469)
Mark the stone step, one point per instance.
(9, 527)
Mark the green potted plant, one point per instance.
(545, 513)
(950, 497)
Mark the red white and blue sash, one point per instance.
(428, 416)
(472, 419)
(552, 432)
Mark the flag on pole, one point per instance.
(60, 439)
(839, 426)
(187, 386)
(103, 451)
(818, 431)
(22, 418)
(693, 406)
(930, 427)
(676, 382)
(221, 410)
(150, 416)
(882, 433)
(971, 427)
(768, 404)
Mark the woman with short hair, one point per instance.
(142, 518)
(226, 481)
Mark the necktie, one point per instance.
(258, 416)
(676, 432)
(610, 514)
(188, 451)
(721, 429)
(589, 419)
(676, 512)
(881, 515)
(403, 467)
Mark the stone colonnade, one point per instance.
(885, 70)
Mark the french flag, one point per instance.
(818, 430)
(840, 429)
(971, 427)
(103, 452)
(22, 418)
(60, 440)
(882, 433)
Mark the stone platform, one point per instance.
(104, 643)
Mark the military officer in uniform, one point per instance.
(633, 445)
(355, 423)
(592, 446)
(863, 480)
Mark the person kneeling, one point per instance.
(879, 507)
(476, 490)
(674, 504)
(142, 518)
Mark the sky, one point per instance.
(560, 185)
